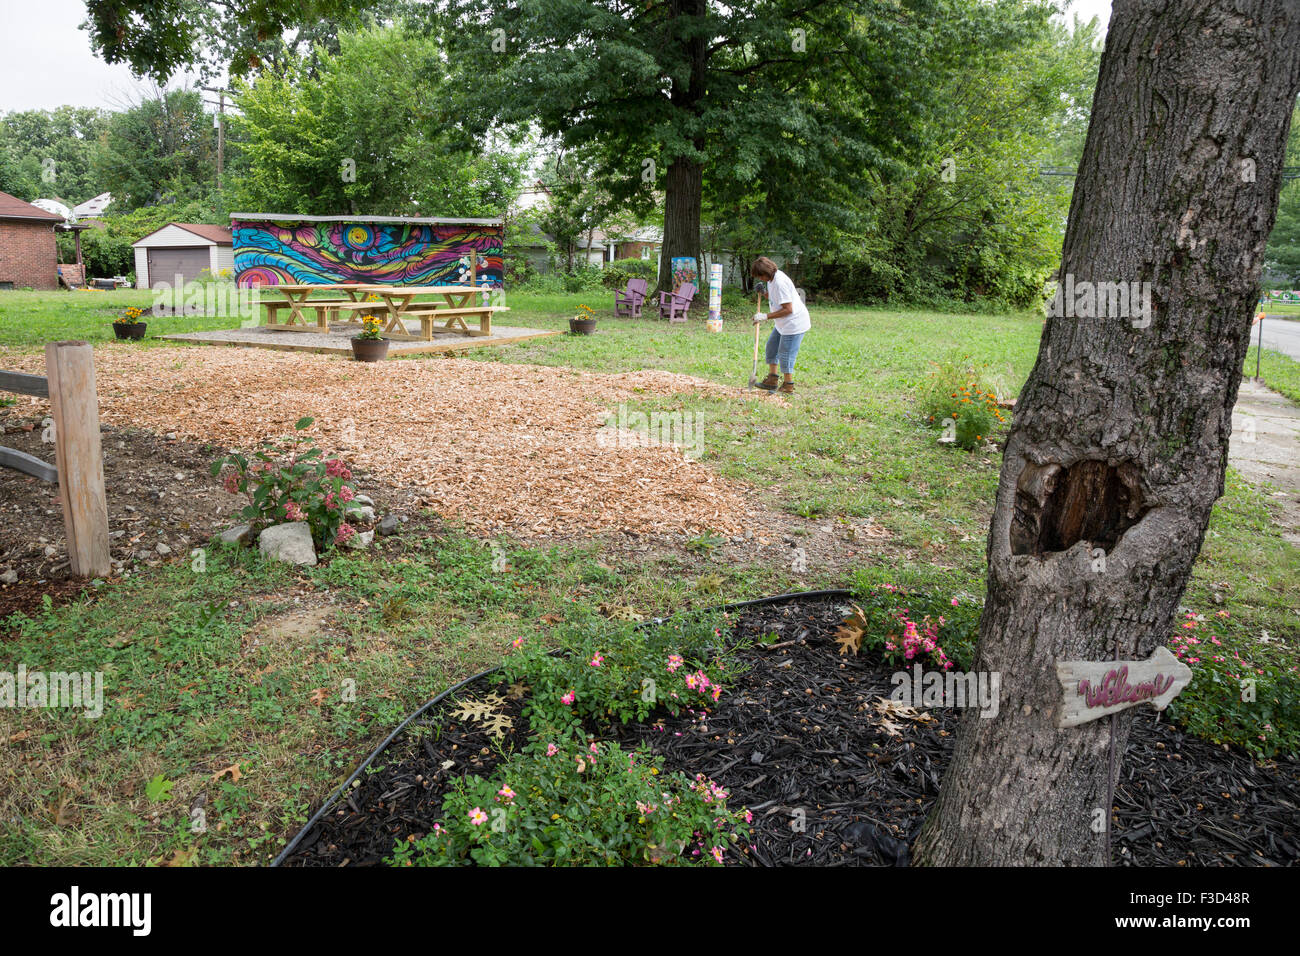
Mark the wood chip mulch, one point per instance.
(502, 448)
(799, 742)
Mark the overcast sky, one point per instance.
(48, 63)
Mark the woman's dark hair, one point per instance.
(763, 268)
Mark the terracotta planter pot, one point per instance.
(582, 326)
(369, 350)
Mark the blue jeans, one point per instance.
(781, 350)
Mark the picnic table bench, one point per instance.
(296, 299)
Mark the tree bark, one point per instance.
(682, 195)
(1120, 438)
(684, 178)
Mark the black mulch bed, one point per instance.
(798, 742)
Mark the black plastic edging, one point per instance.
(343, 787)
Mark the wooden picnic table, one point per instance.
(296, 299)
(399, 304)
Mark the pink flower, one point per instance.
(567, 699)
(329, 502)
(596, 660)
(552, 750)
(518, 642)
(477, 817)
(717, 853)
(674, 661)
(335, 468)
(507, 793)
(293, 512)
(346, 494)
(346, 533)
(231, 483)
(954, 602)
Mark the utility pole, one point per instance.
(220, 122)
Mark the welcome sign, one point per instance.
(1094, 689)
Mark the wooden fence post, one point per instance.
(70, 369)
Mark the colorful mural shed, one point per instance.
(273, 249)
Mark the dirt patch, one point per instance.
(161, 503)
(500, 448)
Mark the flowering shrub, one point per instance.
(623, 672)
(573, 802)
(130, 317)
(913, 627)
(289, 480)
(1230, 699)
(956, 394)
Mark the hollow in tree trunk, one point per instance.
(1120, 440)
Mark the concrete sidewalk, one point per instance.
(1265, 447)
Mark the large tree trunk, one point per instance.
(1121, 434)
(685, 182)
(684, 178)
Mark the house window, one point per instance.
(645, 252)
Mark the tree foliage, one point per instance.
(162, 149)
(374, 129)
(1282, 254)
(158, 38)
(47, 153)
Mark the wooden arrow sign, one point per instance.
(1094, 689)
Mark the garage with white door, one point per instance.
(183, 249)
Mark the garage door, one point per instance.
(166, 264)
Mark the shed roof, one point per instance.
(219, 235)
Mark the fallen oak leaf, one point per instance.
(179, 857)
(317, 697)
(232, 770)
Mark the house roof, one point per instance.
(11, 207)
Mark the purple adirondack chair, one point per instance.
(673, 305)
(628, 302)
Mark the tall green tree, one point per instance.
(1120, 441)
(374, 129)
(162, 149)
(45, 153)
(799, 99)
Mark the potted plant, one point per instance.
(128, 324)
(369, 345)
(584, 323)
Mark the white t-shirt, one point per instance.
(780, 290)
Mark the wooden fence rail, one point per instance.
(79, 459)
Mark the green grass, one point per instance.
(208, 670)
(1280, 372)
(1285, 309)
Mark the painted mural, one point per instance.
(284, 252)
(685, 270)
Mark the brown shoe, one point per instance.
(787, 388)
(770, 383)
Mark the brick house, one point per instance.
(28, 254)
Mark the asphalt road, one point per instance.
(1280, 335)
